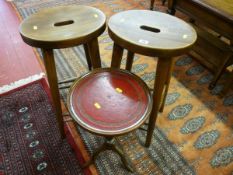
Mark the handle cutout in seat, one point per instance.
(150, 29)
(64, 23)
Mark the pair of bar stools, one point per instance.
(110, 101)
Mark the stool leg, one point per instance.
(110, 145)
(167, 84)
(123, 158)
(219, 73)
(93, 49)
(171, 7)
(96, 153)
(152, 4)
(163, 2)
(227, 86)
(52, 78)
(116, 56)
(129, 61)
(160, 81)
(88, 58)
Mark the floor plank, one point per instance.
(18, 61)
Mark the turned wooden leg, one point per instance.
(110, 145)
(163, 2)
(227, 86)
(171, 7)
(163, 67)
(93, 50)
(93, 158)
(116, 56)
(88, 58)
(169, 74)
(219, 72)
(152, 4)
(52, 78)
(230, 82)
(124, 160)
(129, 60)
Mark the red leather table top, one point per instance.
(109, 102)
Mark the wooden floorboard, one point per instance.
(17, 60)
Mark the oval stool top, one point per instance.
(63, 26)
(151, 33)
(109, 101)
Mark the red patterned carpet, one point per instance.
(29, 138)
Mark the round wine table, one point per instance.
(152, 34)
(62, 27)
(109, 102)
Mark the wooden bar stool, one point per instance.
(153, 34)
(62, 27)
(109, 102)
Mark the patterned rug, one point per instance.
(29, 139)
(194, 133)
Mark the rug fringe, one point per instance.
(20, 83)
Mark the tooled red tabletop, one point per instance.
(109, 101)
